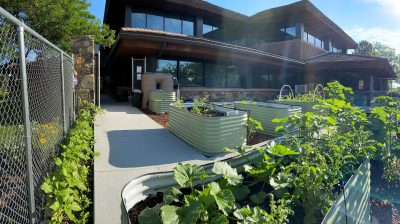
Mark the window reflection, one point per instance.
(154, 20)
(167, 66)
(190, 73)
(215, 75)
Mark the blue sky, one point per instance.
(373, 20)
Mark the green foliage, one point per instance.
(67, 189)
(200, 106)
(335, 90)
(59, 21)
(304, 98)
(389, 146)
(253, 126)
(213, 203)
(180, 104)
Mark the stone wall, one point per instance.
(84, 59)
(222, 94)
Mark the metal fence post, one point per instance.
(27, 123)
(63, 94)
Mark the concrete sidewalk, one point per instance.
(131, 145)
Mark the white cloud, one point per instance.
(386, 36)
(392, 6)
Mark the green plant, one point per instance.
(211, 203)
(335, 90)
(180, 104)
(253, 126)
(67, 188)
(304, 98)
(389, 146)
(200, 106)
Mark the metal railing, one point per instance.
(36, 112)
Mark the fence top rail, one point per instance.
(18, 22)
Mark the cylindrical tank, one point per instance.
(150, 82)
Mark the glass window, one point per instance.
(173, 24)
(310, 39)
(234, 77)
(291, 31)
(187, 27)
(138, 20)
(318, 42)
(190, 73)
(263, 80)
(155, 21)
(167, 66)
(215, 75)
(207, 28)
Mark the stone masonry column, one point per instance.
(84, 61)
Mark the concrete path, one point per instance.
(131, 145)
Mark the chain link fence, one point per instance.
(36, 112)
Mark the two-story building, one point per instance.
(224, 55)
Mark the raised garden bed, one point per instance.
(209, 133)
(305, 106)
(266, 112)
(148, 190)
(160, 100)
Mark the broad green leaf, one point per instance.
(150, 215)
(46, 188)
(185, 174)
(240, 192)
(229, 173)
(259, 197)
(282, 180)
(219, 219)
(280, 150)
(75, 207)
(55, 206)
(225, 201)
(172, 195)
(169, 214)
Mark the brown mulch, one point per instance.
(161, 119)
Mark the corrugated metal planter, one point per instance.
(305, 106)
(149, 184)
(210, 135)
(160, 100)
(266, 112)
(354, 204)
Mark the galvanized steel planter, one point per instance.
(210, 135)
(305, 106)
(357, 191)
(266, 112)
(355, 202)
(160, 100)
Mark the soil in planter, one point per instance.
(385, 196)
(258, 138)
(153, 200)
(208, 112)
(161, 119)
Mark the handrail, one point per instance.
(280, 93)
(315, 91)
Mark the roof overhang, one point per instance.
(133, 41)
(331, 62)
(314, 20)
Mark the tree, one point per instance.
(60, 20)
(364, 48)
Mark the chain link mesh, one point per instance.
(46, 101)
(13, 189)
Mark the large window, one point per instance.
(190, 73)
(289, 30)
(215, 75)
(263, 79)
(234, 77)
(163, 21)
(173, 24)
(139, 20)
(313, 40)
(167, 66)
